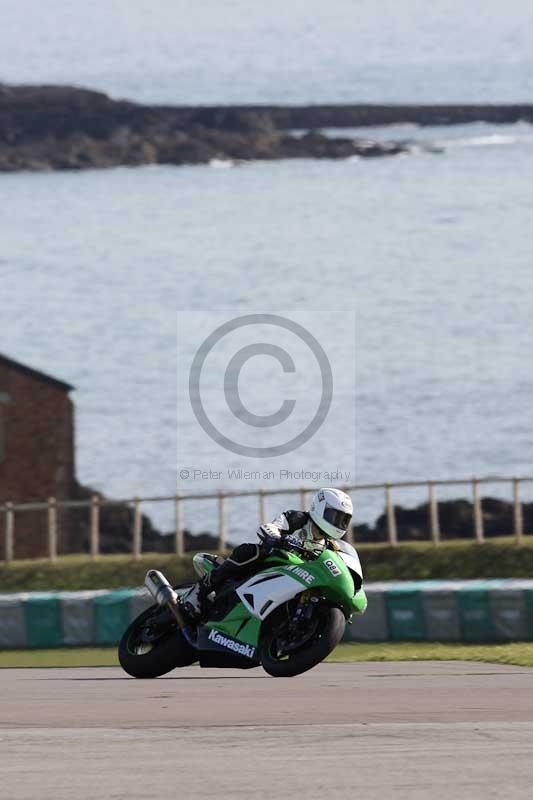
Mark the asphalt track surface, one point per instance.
(366, 730)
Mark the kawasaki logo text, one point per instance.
(231, 644)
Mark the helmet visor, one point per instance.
(339, 519)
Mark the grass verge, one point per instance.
(513, 653)
(60, 657)
(520, 653)
(81, 572)
(497, 558)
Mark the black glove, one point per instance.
(268, 532)
(271, 542)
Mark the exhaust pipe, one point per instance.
(164, 594)
(160, 588)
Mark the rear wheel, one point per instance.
(289, 649)
(154, 645)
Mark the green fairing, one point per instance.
(337, 588)
(360, 602)
(232, 625)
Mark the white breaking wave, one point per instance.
(221, 163)
(492, 140)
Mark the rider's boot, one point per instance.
(196, 601)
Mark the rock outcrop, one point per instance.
(55, 127)
(456, 521)
(63, 127)
(116, 530)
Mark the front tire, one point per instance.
(281, 664)
(153, 646)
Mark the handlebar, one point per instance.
(283, 544)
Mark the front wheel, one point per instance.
(154, 645)
(283, 656)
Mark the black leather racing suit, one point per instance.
(245, 559)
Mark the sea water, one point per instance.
(431, 253)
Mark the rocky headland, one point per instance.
(63, 127)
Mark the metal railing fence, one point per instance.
(52, 506)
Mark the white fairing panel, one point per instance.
(266, 591)
(350, 558)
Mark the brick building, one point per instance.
(36, 448)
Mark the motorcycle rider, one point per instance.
(328, 518)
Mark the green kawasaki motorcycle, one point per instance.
(287, 617)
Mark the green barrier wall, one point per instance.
(470, 611)
(405, 614)
(111, 616)
(42, 614)
(475, 615)
(529, 611)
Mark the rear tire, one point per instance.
(169, 651)
(328, 635)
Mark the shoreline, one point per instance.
(69, 128)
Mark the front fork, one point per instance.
(305, 605)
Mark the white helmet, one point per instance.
(331, 510)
